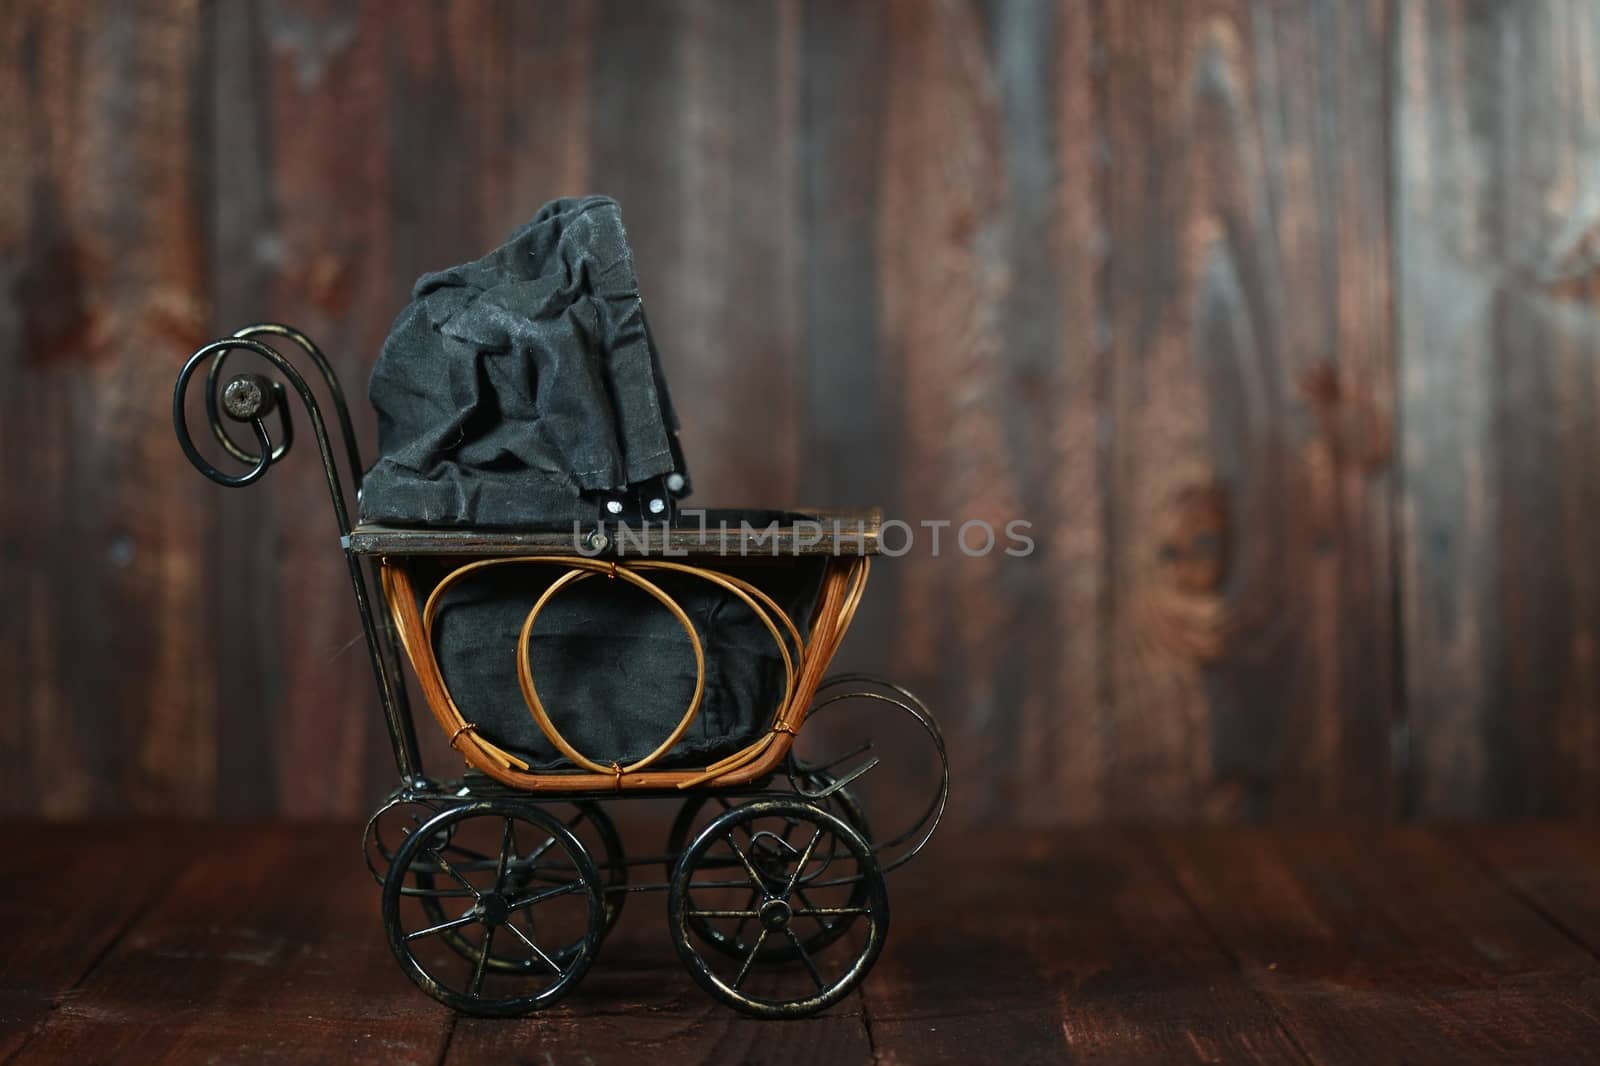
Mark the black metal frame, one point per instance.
(385, 654)
(818, 794)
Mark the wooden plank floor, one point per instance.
(1403, 944)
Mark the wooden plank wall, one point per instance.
(1274, 318)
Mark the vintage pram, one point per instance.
(500, 886)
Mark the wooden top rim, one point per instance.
(825, 533)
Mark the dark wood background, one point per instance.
(1277, 319)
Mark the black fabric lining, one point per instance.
(613, 667)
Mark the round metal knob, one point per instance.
(248, 397)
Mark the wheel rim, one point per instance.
(469, 861)
(388, 828)
(588, 820)
(736, 943)
(789, 878)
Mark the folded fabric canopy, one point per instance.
(523, 390)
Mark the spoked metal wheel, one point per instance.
(465, 889)
(737, 941)
(778, 870)
(542, 863)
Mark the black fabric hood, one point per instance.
(523, 390)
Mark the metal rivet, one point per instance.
(657, 506)
(675, 482)
(614, 506)
(246, 396)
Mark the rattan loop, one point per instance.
(530, 693)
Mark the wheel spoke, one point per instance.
(444, 864)
(800, 893)
(755, 878)
(738, 930)
(725, 914)
(805, 857)
(533, 856)
(527, 919)
(750, 959)
(476, 987)
(749, 833)
(454, 923)
(550, 842)
(505, 855)
(535, 949)
(811, 910)
(805, 956)
(698, 885)
(549, 893)
(468, 854)
(819, 912)
(836, 882)
(440, 893)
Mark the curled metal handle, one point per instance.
(246, 398)
(251, 398)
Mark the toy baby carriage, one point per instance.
(582, 643)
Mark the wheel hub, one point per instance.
(775, 914)
(493, 909)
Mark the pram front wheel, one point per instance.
(785, 872)
(737, 942)
(494, 908)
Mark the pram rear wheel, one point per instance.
(598, 833)
(494, 881)
(782, 871)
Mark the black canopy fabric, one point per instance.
(517, 390)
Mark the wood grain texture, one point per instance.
(302, 179)
(1245, 294)
(1548, 869)
(266, 945)
(110, 693)
(52, 950)
(1497, 195)
(1389, 946)
(1273, 319)
(942, 286)
(1083, 938)
(263, 943)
